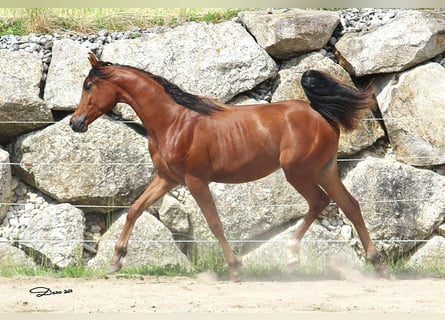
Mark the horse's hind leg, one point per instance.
(306, 184)
(331, 183)
(155, 190)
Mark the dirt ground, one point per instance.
(148, 294)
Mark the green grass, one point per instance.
(88, 273)
(168, 270)
(401, 268)
(208, 257)
(21, 21)
(217, 265)
(68, 272)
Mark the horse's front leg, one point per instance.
(201, 193)
(155, 190)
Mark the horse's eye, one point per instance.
(87, 85)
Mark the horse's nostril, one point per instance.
(78, 123)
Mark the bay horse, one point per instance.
(194, 140)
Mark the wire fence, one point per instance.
(149, 165)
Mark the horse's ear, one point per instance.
(93, 60)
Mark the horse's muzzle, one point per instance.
(78, 123)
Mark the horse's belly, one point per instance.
(247, 172)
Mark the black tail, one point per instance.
(338, 103)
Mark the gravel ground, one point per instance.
(203, 294)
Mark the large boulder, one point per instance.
(409, 39)
(441, 230)
(174, 215)
(412, 103)
(288, 87)
(285, 33)
(429, 256)
(217, 60)
(13, 258)
(97, 168)
(319, 252)
(400, 203)
(21, 108)
(151, 244)
(67, 71)
(55, 235)
(5, 183)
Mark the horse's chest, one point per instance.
(169, 162)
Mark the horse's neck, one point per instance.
(156, 109)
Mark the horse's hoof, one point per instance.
(293, 245)
(234, 277)
(115, 267)
(291, 260)
(292, 254)
(384, 273)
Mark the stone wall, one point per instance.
(61, 191)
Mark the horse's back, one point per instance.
(245, 143)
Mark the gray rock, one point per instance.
(67, 71)
(245, 100)
(412, 107)
(217, 60)
(430, 256)
(288, 87)
(441, 230)
(320, 251)
(399, 203)
(173, 215)
(284, 33)
(98, 168)
(21, 109)
(409, 39)
(288, 83)
(151, 244)
(126, 113)
(55, 235)
(13, 257)
(5, 183)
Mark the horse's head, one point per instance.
(98, 95)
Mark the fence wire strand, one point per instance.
(208, 241)
(407, 118)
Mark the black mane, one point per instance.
(199, 104)
(193, 102)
